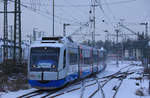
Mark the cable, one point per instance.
(76, 6)
(101, 8)
(37, 11)
(146, 16)
(48, 13)
(69, 14)
(81, 27)
(84, 5)
(109, 9)
(43, 13)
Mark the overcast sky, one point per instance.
(76, 11)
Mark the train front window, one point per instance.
(44, 58)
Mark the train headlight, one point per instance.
(53, 66)
(34, 66)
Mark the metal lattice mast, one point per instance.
(17, 33)
(5, 48)
(92, 20)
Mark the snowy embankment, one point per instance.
(128, 89)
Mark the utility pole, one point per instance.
(146, 28)
(117, 63)
(92, 20)
(5, 48)
(94, 24)
(11, 39)
(17, 33)
(11, 33)
(53, 19)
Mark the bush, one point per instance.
(14, 82)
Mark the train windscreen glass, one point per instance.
(44, 59)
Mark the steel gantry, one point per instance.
(17, 55)
(5, 35)
(17, 49)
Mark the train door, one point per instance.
(98, 60)
(79, 62)
(91, 56)
(64, 59)
(63, 65)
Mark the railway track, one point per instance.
(120, 75)
(30, 94)
(37, 93)
(105, 81)
(49, 93)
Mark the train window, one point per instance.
(64, 61)
(73, 56)
(44, 58)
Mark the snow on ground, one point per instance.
(127, 89)
(15, 94)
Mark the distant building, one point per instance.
(136, 49)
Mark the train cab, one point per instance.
(47, 64)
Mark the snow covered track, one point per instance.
(72, 90)
(58, 92)
(99, 88)
(50, 93)
(120, 76)
(37, 93)
(31, 94)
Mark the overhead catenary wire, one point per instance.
(146, 16)
(42, 13)
(38, 11)
(81, 27)
(69, 14)
(75, 7)
(33, 8)
(37, 8)
(85, 5)
(107, 4)
(103, 11)
(39, 5)
(110, 10)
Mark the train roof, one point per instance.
(59, 42)
(53, 42)
(38, 44)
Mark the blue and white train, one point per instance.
(56, 61)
